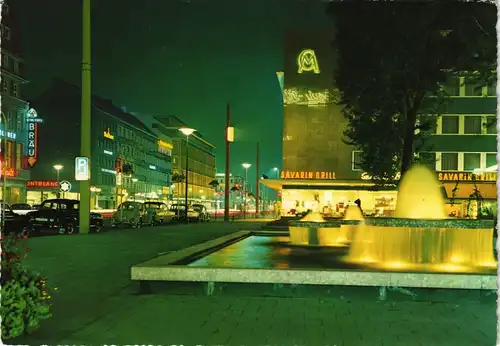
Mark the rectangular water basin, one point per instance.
(266, 257)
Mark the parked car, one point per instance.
(202, 210)
(21, 208)
(180, 212)
(130, 213)
(61, 215)
(14, 223)
(158, 213)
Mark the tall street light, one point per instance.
(58, 168)
(186, 131)
(245, 190)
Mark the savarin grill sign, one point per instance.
(307, 175)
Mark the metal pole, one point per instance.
(245, 190)
(187, 178)
(257, 204)
(228, 169)
(4, 169)
(57, 191)
(86, 113)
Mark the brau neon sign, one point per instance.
(33, 120)
(307, 61)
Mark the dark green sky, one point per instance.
(186, 58)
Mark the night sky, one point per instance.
(186, 58)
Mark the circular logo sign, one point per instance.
(64, 186)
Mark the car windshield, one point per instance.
(129, 206)
(152, 205)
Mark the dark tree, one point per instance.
(392, 58)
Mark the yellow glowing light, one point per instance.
(366, 260)
(451, 268)
(456, 259)
(307, 61)
(490, 264)
(396, 265)
(307, 97)
(108, 135)
(230, 134)
(165, 145)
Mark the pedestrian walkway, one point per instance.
(97, 304)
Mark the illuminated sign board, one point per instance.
(52, 184)
(33, 120)
(165, 145)
(467, 176)
(296, 96)
(107, 152)
(82, 169)
(10, 172)
(308, 175)
(65, 186)
(307, 62)
(10, 135)
(366, 176)
(230, 134)
(108, 135)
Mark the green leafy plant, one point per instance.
(24, 295)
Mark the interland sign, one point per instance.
(32, 120)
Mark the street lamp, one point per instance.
(245, 190)
(134, 180)
(186, 131)
(58, 168)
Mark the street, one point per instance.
(96, 303)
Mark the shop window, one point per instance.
(472, 161)
(449, 124)
(19, 156)
(491, 159)
(471, 88)
(356, 160)
(452, 86)
(449, 161)
(472, 125)
(491, 125)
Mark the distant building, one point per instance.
(14, 107)
(128, 162)
(235, 189)
(201, 161)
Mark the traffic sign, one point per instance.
(82, 171)
(64, 186)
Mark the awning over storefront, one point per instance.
(279, 184)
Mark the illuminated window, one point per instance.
(449, 124)
(356, 160)
(472, 125)
(491, 125)
(472, 161)
(449, 161)
(10, 154)
(491, 159)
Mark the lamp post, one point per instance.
(134, 180)
(4, 168)
(245, 189)
(186, 131)
(58, 168)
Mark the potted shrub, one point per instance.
(25, 300)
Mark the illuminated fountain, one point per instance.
(420, 237)
(314, 230)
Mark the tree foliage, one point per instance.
(393, 56)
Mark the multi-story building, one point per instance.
(128, 160)
(201, 158)
(14, 109)
(321, 172)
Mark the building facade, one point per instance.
(201, 156)
(321, 172)
(13, 126)
(235, 190)
(128, 161)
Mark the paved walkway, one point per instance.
(96, 303)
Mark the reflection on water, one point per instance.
(265, 252)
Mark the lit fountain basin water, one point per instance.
(314, 230)
(420, 237)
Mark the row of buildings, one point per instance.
(131, 159)
(321, 171)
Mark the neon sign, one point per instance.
(9, 172)
(32, 119)
(307, 97)
(307, 62)
(308, 175)
(465, 176)
(42, 183)
(108, 135)
(165, 145)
